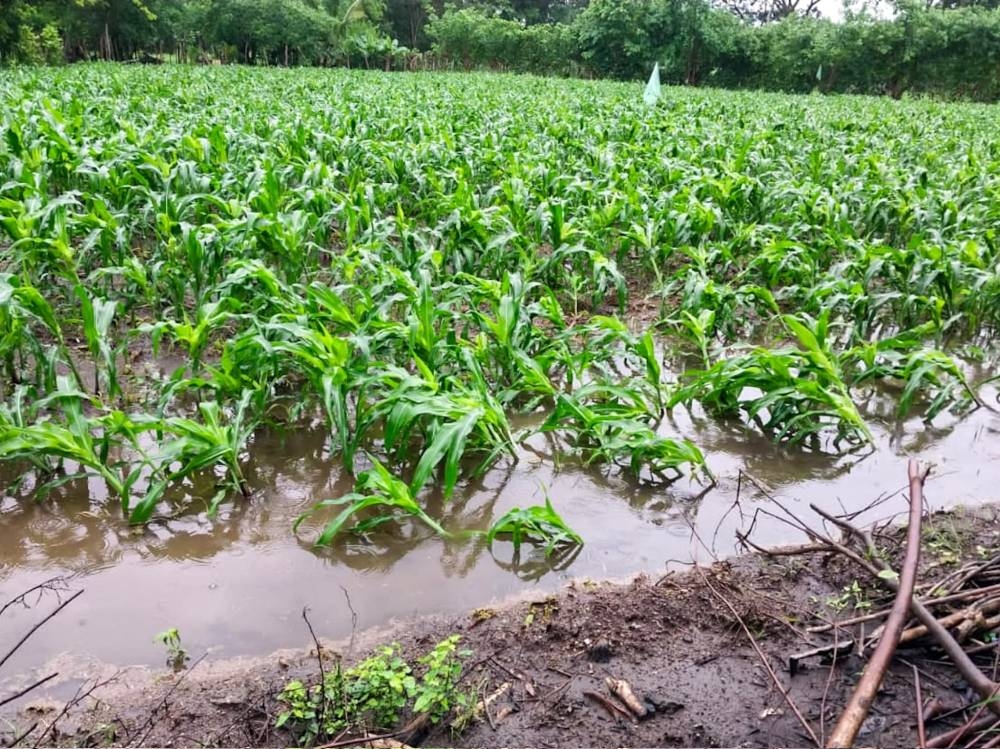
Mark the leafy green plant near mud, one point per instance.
(373, 696)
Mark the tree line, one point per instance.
(948, 48)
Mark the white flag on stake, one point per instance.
(652, 94)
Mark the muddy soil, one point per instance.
(674, 639)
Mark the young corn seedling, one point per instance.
(535, 525)
(380, 497)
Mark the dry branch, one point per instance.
(483, 706)
(614, 710)
(950, 737)
(921, 730)
(834, 649)
(30, 688)
(929, 601)
(860, 703)
(972, 614)
(980, 683)
(39, 625)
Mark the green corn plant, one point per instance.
(194, 335)
(25, 315)
(450, 424)
(615, 439)
(304, 345)
(924, 372)
(85, 441)
(98, 317)
(795, 394)
(935, 373)
(535, 524)
(781, 392)
(196, 446)
(645, 349)
(700, 330)
(402, 276)
(376, 489)
(612, 428)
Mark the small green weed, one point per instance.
(177, 656)
(373, 695)
(943, 539)
(852, 596)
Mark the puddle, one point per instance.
(237, 585)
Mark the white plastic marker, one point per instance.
(652, 94)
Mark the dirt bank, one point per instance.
(674, 639)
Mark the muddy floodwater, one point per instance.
(236, 585)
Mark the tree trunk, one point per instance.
(286, 54)
(414, 27)
(104, 46)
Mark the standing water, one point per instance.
(237, 584)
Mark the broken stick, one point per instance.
(857, 708)
(614, 710)
(623, 691)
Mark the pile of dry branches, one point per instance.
(958, 614)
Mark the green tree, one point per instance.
(615, 37)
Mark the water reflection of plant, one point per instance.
(536, 564)
(375, 535)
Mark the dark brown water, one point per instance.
(236, 585)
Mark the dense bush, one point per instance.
(949, 53)
(472, 39)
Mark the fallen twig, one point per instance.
(968, 614)
(502, 667)
(24, 734)
(826, 686)
(79, 697)
(946, 739)
(859, 704)
(615, 711)
(52, 585)
(360, 740)
(414, 731)
(558, 693)
(163, 704)
(503, 713)
(483, 705)
(29, 688)
(992, 743)
(979, 711)
(921, 730)
(767, 665)
(319, 661)
(781, 551)
(354, 621)
(39, 625)
(961, 576)
(834, 649)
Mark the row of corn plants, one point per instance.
(417, 260)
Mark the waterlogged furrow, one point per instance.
(418, 260)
